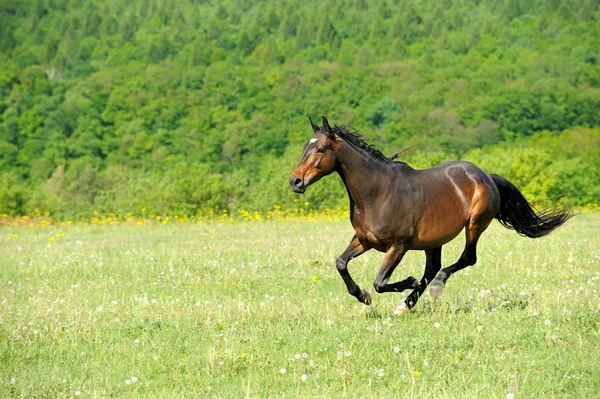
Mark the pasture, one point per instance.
(257, 309)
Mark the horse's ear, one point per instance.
(327, 128)
(315, 127)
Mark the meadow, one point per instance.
(253, 309)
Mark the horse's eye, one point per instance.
(320, 150)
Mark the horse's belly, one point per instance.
(433, 232)
(435, 239)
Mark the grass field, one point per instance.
(257, 309)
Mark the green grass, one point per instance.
(218, 310)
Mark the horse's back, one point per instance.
(456, 191)
(462, 172)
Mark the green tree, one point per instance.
(272, 54)
(303, 35)
(272, 21)
(245, 45)
(128, 27)
(326, 33)
(289, 23)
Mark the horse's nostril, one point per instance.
(298, 182)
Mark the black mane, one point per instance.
(356, 139)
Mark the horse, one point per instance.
(395, 208)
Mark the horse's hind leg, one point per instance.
(433, 264)
(468, 257)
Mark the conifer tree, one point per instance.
(326, 33)
(272, 54)
(128, 27)
(303, 35)
(245, 45)
(272, 20)
(289, 23)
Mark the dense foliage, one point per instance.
(187, 105)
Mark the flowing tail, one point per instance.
(517, 214)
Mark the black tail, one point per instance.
(517, 214)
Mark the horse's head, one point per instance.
(317, 160)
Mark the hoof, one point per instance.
(414, 282)
(366, 297)
(436, 290)
(400, 310)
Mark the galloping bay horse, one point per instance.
(395, 208)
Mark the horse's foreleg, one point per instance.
(354, 249)
(392, 258)
(433, 264)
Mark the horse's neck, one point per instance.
(364, 178)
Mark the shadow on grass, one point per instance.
(374, 313)
(491, 303)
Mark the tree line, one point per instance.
(183, 106)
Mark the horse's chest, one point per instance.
(369, 237)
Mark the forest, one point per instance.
(187, 106)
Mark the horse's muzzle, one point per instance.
(297, 184)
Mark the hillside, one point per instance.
(183, 106)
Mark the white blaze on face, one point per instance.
(310, 143)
